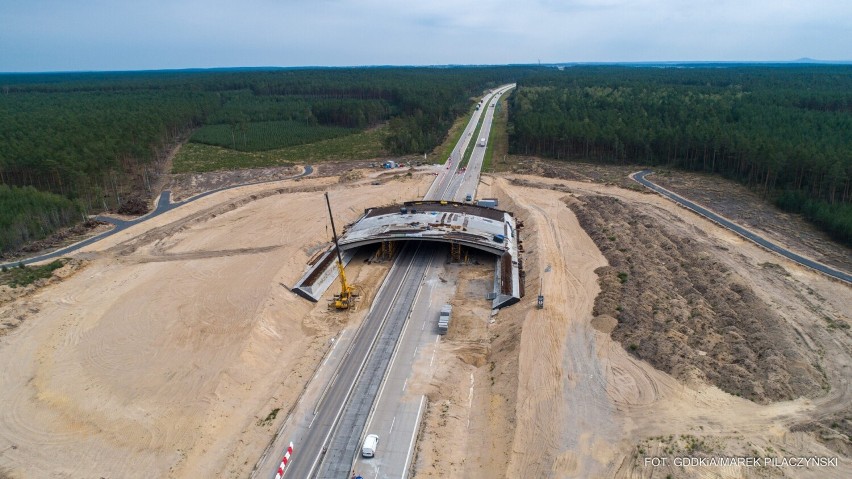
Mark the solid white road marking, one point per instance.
(413, 437)
(330, 352)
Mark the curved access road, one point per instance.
(640, 178)
(164, 204)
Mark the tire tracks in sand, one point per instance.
(613, 401)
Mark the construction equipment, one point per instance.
(444, 319)
(345, 298)
(540, 304)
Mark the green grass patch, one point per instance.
(196, 158)
(267, 421)
(474, 140)
(22, 275)
(266, 135)
(498, 139)
(453, 137)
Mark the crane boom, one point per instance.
(343, 299)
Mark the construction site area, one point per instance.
(593, 326)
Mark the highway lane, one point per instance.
(640, 178)
(347, 436)
(311, 442)
(313, 445)
(164, 204)
(448, 175)
(398, 411)
(469, 181)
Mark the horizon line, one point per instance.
(800, 61)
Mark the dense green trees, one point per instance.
(91, 146)
(28, 214)
(98, 138)
(785, 131)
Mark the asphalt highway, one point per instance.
(640, 178)
(397, 413)
(310, 448)
(326, 448)
(469, 179)
(398, 409)
(448, 176)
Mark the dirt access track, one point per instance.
(177, 350)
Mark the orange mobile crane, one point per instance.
(345, 298)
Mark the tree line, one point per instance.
(27, 214)
(782, 130)
(98, 139)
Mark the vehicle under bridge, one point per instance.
(461, 225)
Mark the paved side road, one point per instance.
(640, 178)
(164, 204)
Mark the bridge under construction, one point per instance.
(326, 440)
(461, 225)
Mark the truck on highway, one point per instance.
(444, 318)
(482, 142)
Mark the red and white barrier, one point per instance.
(284, 462)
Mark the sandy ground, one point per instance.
(612, 402)
(582, 406)
(108, 382)
(164, 355)
(457, 436)
(519, 420)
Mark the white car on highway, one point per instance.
(370, 444)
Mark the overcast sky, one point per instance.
(60, 35)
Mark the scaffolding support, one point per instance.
(386, 251)
(455, 252)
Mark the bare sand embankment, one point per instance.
(586, 404)
(166, 353)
